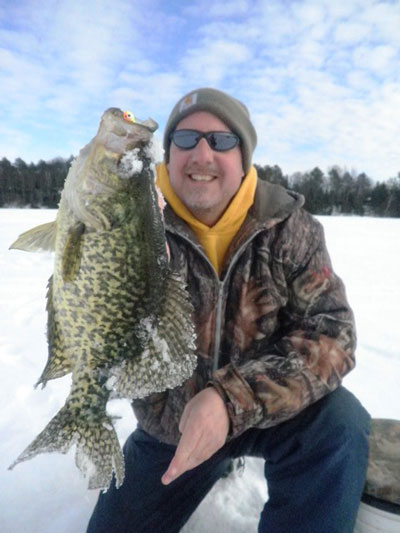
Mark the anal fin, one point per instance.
(168, 358)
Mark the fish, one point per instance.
(119, 318)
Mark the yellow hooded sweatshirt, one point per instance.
(215, 239)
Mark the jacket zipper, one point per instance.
(221, 286)
(218, 325)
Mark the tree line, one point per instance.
(339, 191)
(39, 185)
(336, 192)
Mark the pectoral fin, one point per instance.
(39, 239)
(71, 256)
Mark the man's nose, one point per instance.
(202, 153)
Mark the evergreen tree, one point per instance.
(335, 189)
(363, 187)
(347, 199)
(37, 185)
(312, 186)
(40, 185)
(272, 174)
(8, 176)
(379, 199)
(393, 203)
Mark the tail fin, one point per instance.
(98, 453)
(168, 358)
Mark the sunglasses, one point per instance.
(220, 141)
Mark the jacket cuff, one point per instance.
(243, 408)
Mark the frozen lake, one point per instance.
(47, 494)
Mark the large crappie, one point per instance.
(118, 318)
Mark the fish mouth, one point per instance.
(150, 124)
(118, 135)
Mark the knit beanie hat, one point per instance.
(231, 111)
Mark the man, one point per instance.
(275, 336)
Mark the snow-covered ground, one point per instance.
(48, 494)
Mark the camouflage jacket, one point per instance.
(274, 332)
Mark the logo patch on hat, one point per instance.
(187, 102)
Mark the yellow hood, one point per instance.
(215, 239)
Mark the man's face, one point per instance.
(205, 180)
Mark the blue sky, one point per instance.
(321, 77)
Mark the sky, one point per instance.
(47, 494)
(321, 78)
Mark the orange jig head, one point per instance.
(129, 116)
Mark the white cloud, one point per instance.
(215, 59)
(384, 18)
(309, 54)
(319, 76)
(148, 93)
(221, 8)
(326, 130)
(382, 59)
(351, 32)
(14, 141)
(22, 83)
(342, 9)
(361, 82)
(308, 13)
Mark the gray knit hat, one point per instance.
(231, 111)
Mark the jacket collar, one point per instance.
(272, 204)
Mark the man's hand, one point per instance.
(204, 426)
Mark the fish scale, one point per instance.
(118, 318)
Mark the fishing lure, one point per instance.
(129, 116)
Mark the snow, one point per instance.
(48, 494)
(130, 164)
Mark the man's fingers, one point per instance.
(169, 475)
(183, 459)
(181, 464)
(204, 426)
(175, 470)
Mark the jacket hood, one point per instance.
(272, 204)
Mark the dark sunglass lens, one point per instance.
(212, 139)
(223, 141)
(218, 140)
(185, 139)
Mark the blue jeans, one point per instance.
(315, 465)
